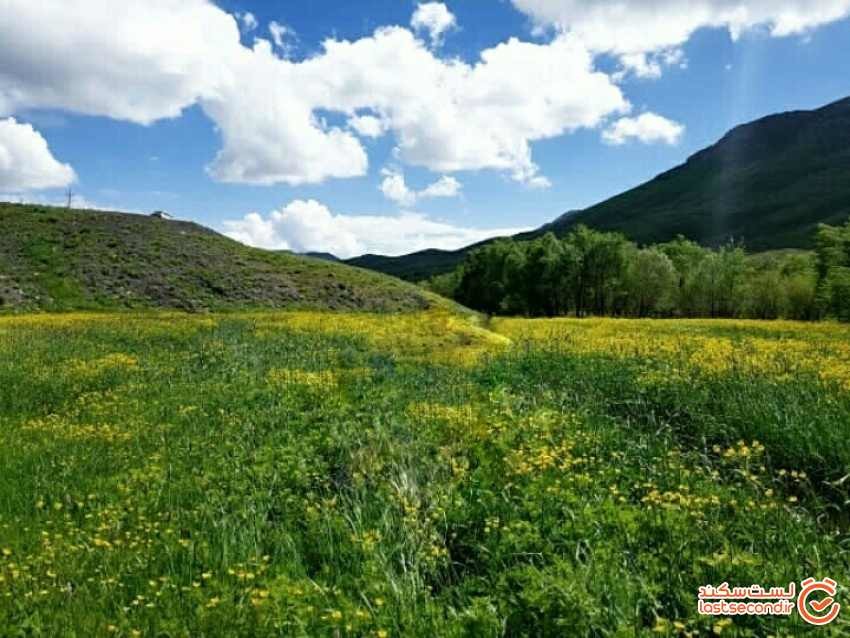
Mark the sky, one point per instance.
(389, 126)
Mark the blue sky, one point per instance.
(571, 148)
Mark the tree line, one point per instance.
(589, 272)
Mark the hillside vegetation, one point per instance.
(55, 259)
(766, 184)
(599, 273)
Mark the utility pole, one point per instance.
(70, 195)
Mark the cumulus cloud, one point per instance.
(446, 116)
(446, 186)
(634, 28)
(309, 226)
(395, 188)
(248, 20)
(433, 18)
(136, 61)
(283, 37)
(647, 128)
(282, 142)
(367, 125)
(146, 61)
(26, 162)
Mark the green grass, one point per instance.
(277, 474)
(55, 259)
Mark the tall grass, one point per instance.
(307, 475)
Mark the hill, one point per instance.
(767, 184)
(57, 259)
(325, 256)
(415, 266)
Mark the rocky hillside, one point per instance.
(57, 259)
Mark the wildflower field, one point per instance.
(422, 474)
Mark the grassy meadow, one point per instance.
(420, 474)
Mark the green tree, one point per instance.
(833, 265)
(716, 283)
(651, 283)
(686, 257)
(544, 277)
(601, 262)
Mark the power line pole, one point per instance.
(70, 195)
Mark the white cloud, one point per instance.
(395, 188)
(146, 61)
(446, 186)
(309, 226)
(434, 18)
(78, 201)
(282, 141)
(367, 125)
(647, 128)
(283, 37)
(248, 20)
(136, 61)
(539, 182)
(449, 116)
(26, 162)
(627, 28)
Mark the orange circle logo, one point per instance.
(818, 612)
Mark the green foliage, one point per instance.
(833, 251)
(444, 285)
(652, 283)
(594, 273)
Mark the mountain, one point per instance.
(58, 259)
(767, 184)
(325, 256)
(415, 266)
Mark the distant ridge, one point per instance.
(768, 184)
(324, 256)
(58, 259)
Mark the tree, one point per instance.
(544, 281)
(715, 285)
(601, 260)
(764, 295)
(488, 276)
(446, 284)
(833, 265)
(686, 257)
(651, 283)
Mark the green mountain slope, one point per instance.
(768, 184)
(415, 266)
(55, 259)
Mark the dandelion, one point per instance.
(721, 625)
